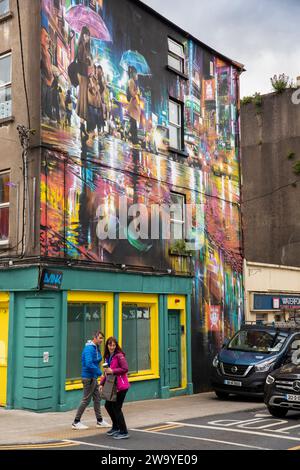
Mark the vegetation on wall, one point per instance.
(296, 168)
(291, 155)
(256, 99)
(280, 82)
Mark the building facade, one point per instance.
(270, 136)
(132, 111)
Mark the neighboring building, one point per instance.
(270, 134)
(153, 117)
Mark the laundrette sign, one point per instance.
(51, 279)
(276, 302)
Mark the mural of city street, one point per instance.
(105, 118)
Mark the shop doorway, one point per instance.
(174, 348)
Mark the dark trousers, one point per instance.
(133, 131)
(114, 409)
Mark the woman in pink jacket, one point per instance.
(117, 365)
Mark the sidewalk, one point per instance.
(17, 426)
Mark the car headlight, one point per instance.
(270, 380)
(216, 361)
(264, 366)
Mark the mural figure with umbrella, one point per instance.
(90, 25)
(134, 64)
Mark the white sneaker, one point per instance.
(103, 424)
(79, 426)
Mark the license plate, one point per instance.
(293, 397)
(233, 382)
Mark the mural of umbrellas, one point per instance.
(47, 6)
(136, 60)
(80, 16)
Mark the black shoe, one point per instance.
(121, 435)
(112, 432)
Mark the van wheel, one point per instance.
(222, 395)
(277, 412)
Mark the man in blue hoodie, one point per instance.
(91, 358)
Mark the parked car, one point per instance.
(282, 390)
(244, 362)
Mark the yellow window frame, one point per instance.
(4, 325)
(93, 297)
(151, 301)
(178, 302)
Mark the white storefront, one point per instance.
(272, 292)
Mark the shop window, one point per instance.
(4, 207)
(5, 86)
(175, 124)
(261, 318)
(176, 55)
(4, 7)
(84, 319)
(177, 216)
(136, 337)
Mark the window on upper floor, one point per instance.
(176, 55)
(5, 86)
(175, 124)
(4, 7)
(177, 216)
(4, 207)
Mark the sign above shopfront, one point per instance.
(51, 279)
(276, 302)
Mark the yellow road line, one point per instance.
(295, 448)
(37, 446)
(164, 427)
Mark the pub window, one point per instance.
(4, 207)
(136, 334)
(84, 319)
(4, 7)
(176, 55)
(175, 124)
(5, 86)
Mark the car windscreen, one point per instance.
(257, 341)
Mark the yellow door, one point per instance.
(3, 351)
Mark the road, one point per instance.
(246, 430)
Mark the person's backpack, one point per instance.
(73, 70)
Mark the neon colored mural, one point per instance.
(105, 92)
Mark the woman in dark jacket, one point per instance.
(85, 61)
(117, 365)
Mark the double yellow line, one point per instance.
(164, 427)
(48, 445)
(295, 448)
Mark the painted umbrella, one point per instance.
(80, 16)
(136, 60)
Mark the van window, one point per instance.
(258, 341)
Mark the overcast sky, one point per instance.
(264, 35)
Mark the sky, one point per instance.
(264, 35)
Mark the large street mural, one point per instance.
(105, 92)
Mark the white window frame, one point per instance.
(175, 55)
(182, 222)
(5, 205)
(177, 125)
(7, 10)
(7, 84)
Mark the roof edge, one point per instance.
(188, 35)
